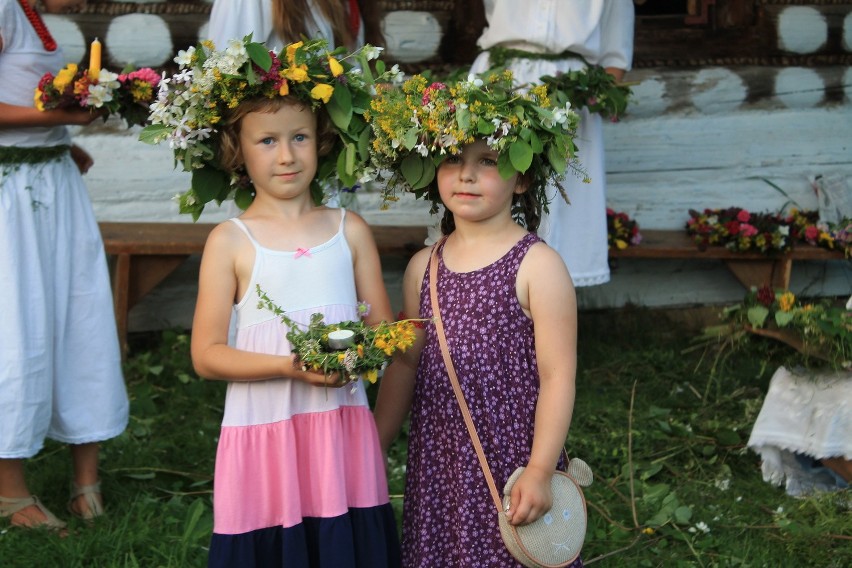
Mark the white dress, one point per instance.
(60, 364)
(602, 32)
(235, 19)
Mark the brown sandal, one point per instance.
(11, 505)
(94, 506)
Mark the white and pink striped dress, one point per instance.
(300, 478)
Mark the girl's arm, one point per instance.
(14, 116)
(552, 305)
(212, 357)
(369, 282)
(396, 389)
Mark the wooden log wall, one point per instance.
(730, 95)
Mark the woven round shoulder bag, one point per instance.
(555, 539)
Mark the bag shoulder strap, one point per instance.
(445, 352)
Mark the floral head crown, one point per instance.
(416, 127)
(193, 102)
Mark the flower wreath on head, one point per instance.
(193, 102)
(417, 126)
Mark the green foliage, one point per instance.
(663, 425)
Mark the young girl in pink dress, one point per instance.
(299, 477)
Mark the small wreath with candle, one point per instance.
(353, 348)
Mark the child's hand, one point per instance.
(318, 378)
(531, 496)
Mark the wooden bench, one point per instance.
(751, 269)
(143, 254)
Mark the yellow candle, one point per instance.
(95, 60)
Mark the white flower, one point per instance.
(723, 484)
(372, 52)
(184, 57)
(422, 149)
(474, 80)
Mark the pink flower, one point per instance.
(811, 233)
(743, 216)
(747, 230)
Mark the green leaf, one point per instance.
(208, 182)
(259, 54)
(344, 169)
(727, 437)
(783, 318)
(243, 197)
(412, 168)
(682, 515)
(505, 167)
(153, 133)
(364, 144)
(463, 119)
(428, 175)
(485, 127)
(521, 155)
(757, 315)
(556, 158)
(339, 107)
(410, 140)
(535, 143)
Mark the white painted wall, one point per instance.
(691, 139)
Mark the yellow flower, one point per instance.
(64, 77)
(297, 74)
(37, 99)
(285, 89)
(335, 66)
(648, 530)
(372, 375)
(291, 52)
(620, 244)
(322, 92)
(786, 301)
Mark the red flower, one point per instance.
(766, 295)
(743, 216)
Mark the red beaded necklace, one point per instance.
(46, 39)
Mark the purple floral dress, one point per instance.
(449, 518)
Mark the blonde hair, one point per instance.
(230, 157)
(291, 20)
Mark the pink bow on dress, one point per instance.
(302, 252)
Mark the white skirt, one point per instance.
(576, 230)
(60, 363)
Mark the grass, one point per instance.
(662, 422)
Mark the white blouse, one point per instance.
(599, 30)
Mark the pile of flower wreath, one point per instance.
(417, 126)
(739, 230)
(192, 103)
(622, 231)
(820, 331)
(807, 228)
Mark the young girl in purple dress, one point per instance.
(509, 310)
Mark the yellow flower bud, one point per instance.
(335, 66)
